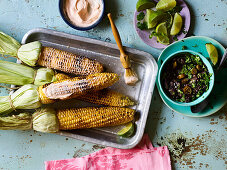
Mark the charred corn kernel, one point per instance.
(68, 62)
(61, 76)
(91, 117)
(107, 97)
(72, 88)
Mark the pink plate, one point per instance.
(144, 34)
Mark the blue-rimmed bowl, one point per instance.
(69, 22)
(204, 95)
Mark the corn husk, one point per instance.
(18, 74)
(23, 121)
(29, 53)
(45, 120)
(44, 75)
(8, 45)
(26, 97)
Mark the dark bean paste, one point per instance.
(185, 77)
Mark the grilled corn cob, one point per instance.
(68, 62)
(72, 88)
(33, 53)
(107, 97)
(103, 97)
(93, 117)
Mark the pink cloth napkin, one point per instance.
(143, 157)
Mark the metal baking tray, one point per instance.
(108, 54)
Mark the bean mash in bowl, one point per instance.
(185, 77)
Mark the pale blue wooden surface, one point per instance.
(205, 137)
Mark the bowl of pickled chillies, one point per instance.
(186, 78)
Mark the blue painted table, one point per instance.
(195, 143)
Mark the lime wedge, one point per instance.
(144, 4)
(163, 39)
(127, 131)
(161, 28)
(162, 36)
(213, 53)
(177, 24)
(165, 5)
(153, 17)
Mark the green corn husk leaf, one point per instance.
(17, 74)
(8, 45)
(23, 121)
(26, 97)
(44, 75)
(29, 53)
(45, 120)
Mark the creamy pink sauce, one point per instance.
(83, 13)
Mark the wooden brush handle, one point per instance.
(123, 57)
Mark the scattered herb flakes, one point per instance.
(140, 16)
(184, 47)
(204, 15)
(153, 33)
(185, 32)
(195, 45)
(142, 26)
(175, 38)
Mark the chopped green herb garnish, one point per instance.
(188, 59)
(179, 91)
(140, 16)
(175, 9)
(156, 34)
(175, 38)
(182, 99)
(197, 60)
(153, 34)
(142, 26)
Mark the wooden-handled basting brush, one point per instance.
(130, 76)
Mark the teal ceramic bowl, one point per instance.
(204, 95)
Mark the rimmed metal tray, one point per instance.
(108, 54)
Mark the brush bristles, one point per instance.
(130, 76)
